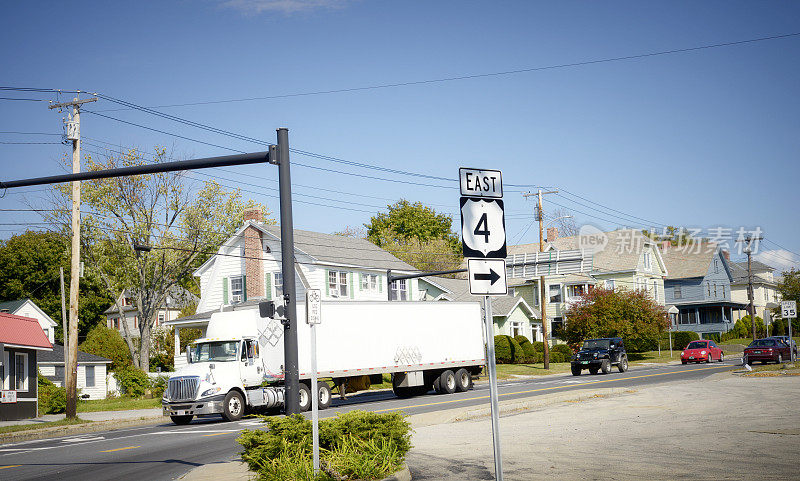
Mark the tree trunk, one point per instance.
(144, 345)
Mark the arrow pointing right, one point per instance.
(492, 276)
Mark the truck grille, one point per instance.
(183, 388)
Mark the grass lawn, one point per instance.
(117, 404)
(769, 370)
(27, 427)
(507, 371)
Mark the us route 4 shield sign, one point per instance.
(487, 277)
(483, 228)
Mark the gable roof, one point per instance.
(692, 261)
(739, 271)
(22, 331)
(12, 306)
(458, 291)
(56, 356)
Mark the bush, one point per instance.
(507, 350)
(527, 348)
(563, 349)
(52, 399)
(358, 444)
(133, 382)
(681, 339)
(538, 346)
(158, 385)
(108, 343)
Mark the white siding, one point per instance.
(99, 390)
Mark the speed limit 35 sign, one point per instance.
(789, 309)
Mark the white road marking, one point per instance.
(81, 439)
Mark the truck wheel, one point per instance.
(303, 397)
(181, 420)
(576, 370)
(593, 370)
(463, 380)
(446, 383)
(324, 392)
(605, 366)
(623, 365)
(233, 406)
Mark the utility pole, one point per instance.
(63, 326)
(751, 308)
(71, 367)
(542, 289)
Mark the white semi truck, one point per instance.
(238, 366)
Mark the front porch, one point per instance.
(716, 317)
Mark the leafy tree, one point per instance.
(418, 235)
(181, 224)
(29, 268)
(108, 343)
(631, 315)
(677, 236)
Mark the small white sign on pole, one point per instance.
(313, 306)
(487, 277)
(789, 309)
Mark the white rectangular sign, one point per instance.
(789, 309)
(313, 306)
(8, 397)
(487, 277)
(481, 183)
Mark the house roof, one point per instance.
(12, 306)
(458, 290)
(56, 356)
(689, 261)
(22, 331)
(739, 271)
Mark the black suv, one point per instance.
(600, 355)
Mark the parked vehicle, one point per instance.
(704, 350)
(238, 366)
(599, 355)
(785, 339)
(766, 350)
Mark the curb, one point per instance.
(88, 427)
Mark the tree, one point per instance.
(418, 235)
(29, 268)
(108, 343)
(632, 315)
(677, 236)
(176, 225)
(567, 227)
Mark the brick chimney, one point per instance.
(552, 234)
(253, 271)
(727, 254)
(665, 245)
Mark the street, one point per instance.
(166, 451)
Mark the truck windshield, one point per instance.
(214, 351)
(596, 344)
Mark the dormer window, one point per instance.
(648, 266)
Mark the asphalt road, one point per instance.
(166, 451)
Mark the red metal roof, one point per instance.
(22, 331)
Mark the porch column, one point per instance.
(177, 331)
(697, 315)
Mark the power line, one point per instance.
(605, 207)
(489, 74)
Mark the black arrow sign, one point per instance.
(492, 276)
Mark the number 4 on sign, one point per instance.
(484, 231)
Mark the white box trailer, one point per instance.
(239, 364)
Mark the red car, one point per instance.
(766, 350)
(704, 350)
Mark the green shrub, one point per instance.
(563, 349)
(52, 399)
(105, 342)
(133, 382)
(538, 346)
(556, 356)
(358, 444)
(538, 357)
(681, 339)
(158, 385)
(504, 349)
(527, 348)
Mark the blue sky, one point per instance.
(702, 139)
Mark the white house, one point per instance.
(176, 300)
(91, 371)
(27, 308)
(765, 289)
(247, 269)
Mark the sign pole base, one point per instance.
(490, 361)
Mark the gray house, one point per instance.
(699, 285)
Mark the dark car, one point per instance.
(766, 350)
(599, 355)
(785, 340)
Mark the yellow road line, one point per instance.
(217, 434)
(119, 449)
(551, 388)
(12, 466)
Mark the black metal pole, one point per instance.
(291, 368)
(205, 163)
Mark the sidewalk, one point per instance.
(91, 416)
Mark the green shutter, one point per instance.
(380, 283)
(410, 290)
(327, 287)
(360, 280)
(244, 288)
(268, 286)
(224, 290)
(350, 281)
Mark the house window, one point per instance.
(399, 290)
(517, 329)
(610, 284)
(160, 319)
(575, 290)
(648, 266)
(20, 372)
(556, 328)
(655, 289)
(337, 284)
(278, 284)
(369, 282)
(708, 288)
(715, 290)
(716, 266)
(237, 288)
(677, 292)
(60, 374)
(89, 376)
(512, 292)
(136, 322)
(555, 293)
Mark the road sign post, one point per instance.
(789, 311)
(483, 234)
(314, 317)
